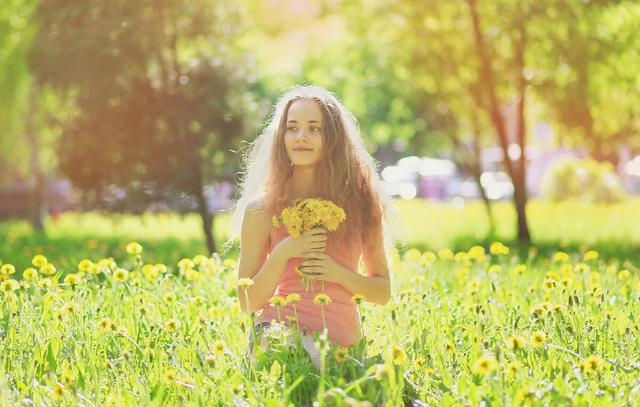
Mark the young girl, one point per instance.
(312, 149)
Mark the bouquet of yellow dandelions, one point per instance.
(306, 214)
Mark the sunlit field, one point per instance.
(87, 318)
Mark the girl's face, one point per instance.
(303, 136)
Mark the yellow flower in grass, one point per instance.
(9, 285)
(398, 357)
(419, 362)
(538, 339)
(496, 268)
(516, 342)
(560, 257)
(357, 299)
(293, 298)
(39, 260)
(477, 254)
(485, 364)
(341, 354)
(513, 368)
(245, 282)
(520, 268)
(230, 263)
(219, 348)
(592, 364)
(590, 255)
(445, 254)
(566, 282)
(549, 283)
(106, 325)
(30, 274)
(86, 266)
(59, 390)
(45, 282)
(48, 269)
(200, 259)
(7, 269)
(134, 248)
(103, 265)
(624, 274)
(498, 248)
(170, 297)
(322, 299)
(185, 263)
(71, 307)
(277, 300)
(172, 325)
(143, 309)
(72, 279)
(120, 275)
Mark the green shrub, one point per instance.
(585, 180)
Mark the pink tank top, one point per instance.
(341, 315)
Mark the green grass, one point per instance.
(450, 310)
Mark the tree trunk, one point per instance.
(477, 171)
(37, 204)
(486, 71)
(207, 220)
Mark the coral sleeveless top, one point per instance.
(341, 315)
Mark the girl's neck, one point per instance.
(303, 183)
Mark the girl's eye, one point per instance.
(292, 128)
(315, 128)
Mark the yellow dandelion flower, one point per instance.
(245, 282)
(72, 279)
(134, 248)
(485, 364)
(120, 275)
(624, 274)
(170, 297)
(293, 298)
(566, 282)
(277, 300)
(9, 285)
(71, 307)
(590, 255)
(105, 325)
(496, 268)
(45, 282)
(341, 354)
(592, 364)
(7, 269)
(513, 368)
(538, 339)
(85, 265)
(59, 390)
(520, 268)
(498, 248)
(445, 254)
(219, 348)
(419, 362)
(30, 274)
(39, 260)
(143, 309)
(581, 268)
(357, 299)
(516, 342)
(230, 263)
(172, 325)
(397, 355)
(322, 299)
(549, 283)
(48, 269)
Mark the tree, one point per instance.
(157, 90)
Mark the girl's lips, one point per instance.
(301, 150)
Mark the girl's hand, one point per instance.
(321, 266)
(311, 241)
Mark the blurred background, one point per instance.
(490, 119)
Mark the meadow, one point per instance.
(88, 317)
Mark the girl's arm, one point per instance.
(254, 240)
(376, 285)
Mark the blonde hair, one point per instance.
(267, 172)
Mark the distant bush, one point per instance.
(585, 180)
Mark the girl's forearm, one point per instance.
(265, 282)
(375, 289)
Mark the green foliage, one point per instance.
(586, 180)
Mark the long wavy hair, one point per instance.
(346, 175)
